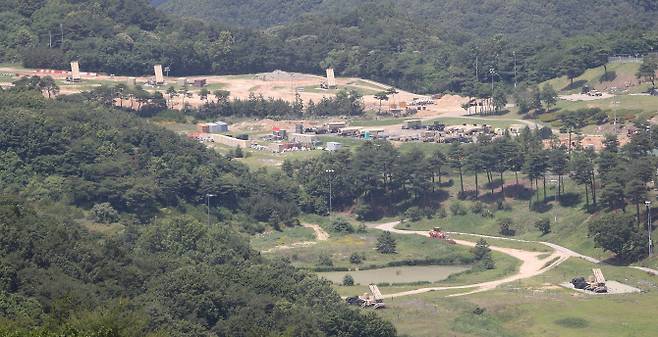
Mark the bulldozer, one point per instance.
(437, 233)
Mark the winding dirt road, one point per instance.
(532, 263)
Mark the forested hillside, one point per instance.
(101, 234)
(523, 19)
(434, 49)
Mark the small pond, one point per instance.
(402, 274)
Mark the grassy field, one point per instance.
(272, 239)
(533, 307)
(591, 76)
(341, 246)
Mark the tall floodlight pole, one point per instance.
(329, 172)
(208, 196)
(648, 204)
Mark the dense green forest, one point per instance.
(432, 50)
(69, 165)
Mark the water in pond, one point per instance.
(403, 274)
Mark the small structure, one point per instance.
(200, 83)
(331, 79)
(299, 128)
(181, 81)
(335, 126)
(217, 127)
(305, 139)
(131, 82)
(334, 146)
(159, 76)
(413, 124)
(350, 131)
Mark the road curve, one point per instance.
(532, 264)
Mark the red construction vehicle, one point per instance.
(437, 233)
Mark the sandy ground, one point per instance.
(583, 97)
(614, 288)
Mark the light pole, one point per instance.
(648, 204)
(208, 196)
(329, 172)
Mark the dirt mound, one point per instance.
(278, 75)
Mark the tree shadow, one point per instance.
(519, 192)
(569, 199)
(541, 207)
(575, 85)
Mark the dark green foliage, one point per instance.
(506, 227)
(543, 225)
(481, 249)
(386, 243)
(357, 258)
(325, 260)
(348, 280)
(618, 233)
(341, 225)
(413, 213)
(457, 208)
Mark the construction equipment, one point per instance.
(595, 283)
(373, 299)
(437, 233)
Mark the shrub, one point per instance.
(104, 213)
(479, 311)
(325, 260)
(362, 228)
(441, 213)
(477, 207)
(505, 225)
(356, 258)
(341, 225)
(456, 208)
(543, 225)
(386, 244)
(413, 214)
(481, 249)
(487, 263)
(365, 212)
(348, 280)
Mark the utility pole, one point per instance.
(208, 196)
(50, 39)
(329, 172)
(648, 204)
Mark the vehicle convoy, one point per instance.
(437, 233)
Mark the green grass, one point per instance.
(532, 307)
(376, 122)
(287, 236)
(592, 76)
(340, 247)
(626, 105)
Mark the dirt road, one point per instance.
(532, 264)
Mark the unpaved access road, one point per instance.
(532, 264)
